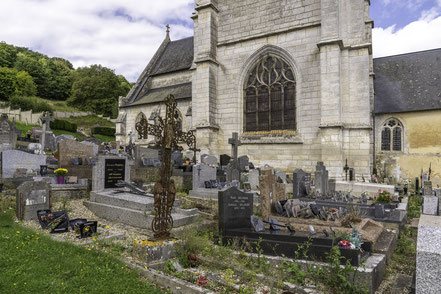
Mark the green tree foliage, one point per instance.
(14, 82)
(8, 54)
(8, 78)
(97, 88)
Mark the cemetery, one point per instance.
(270, 152)
(196, 221)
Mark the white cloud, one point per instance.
(419, 35)
(122, 35)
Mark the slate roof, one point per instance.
(180, 91)
(178, 55)
(408, 82)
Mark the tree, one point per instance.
(28, 62)
(97, 88)
(8, 54)
(8, 78)
(25, 85)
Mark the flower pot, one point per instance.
(43, 170)
(60, 180)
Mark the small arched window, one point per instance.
(270, 93)
(392, 135)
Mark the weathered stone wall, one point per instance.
(421, 144)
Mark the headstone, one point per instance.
(108, 170)
(233, 173)
(321, 178)
(8, 136)
(270, 191)
(431, 205)
(428, 188)
(15, 159)
(36, 132)
(224, 159)
(141, 153)
(201, 174)
(244, 163)
(47, 138)
(351, 174)
(379, 211)
(235, 209)
(31, 197)
(281, 177)
(94, 140)
(177, 158)
(67, 150)
(94, 146)
(257, 224)
(209, 160)
(253, 179)
(301, 183)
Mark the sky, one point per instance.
(124, 35)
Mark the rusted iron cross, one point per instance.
(169, 135)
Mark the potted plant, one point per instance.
(61, 173)
(384, 197)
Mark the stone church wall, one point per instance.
(421, 143)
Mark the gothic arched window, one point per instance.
(392, 135)
(270, 94)
(141, 126)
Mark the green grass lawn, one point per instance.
(89, 121)
(24, 128)
(105, 138)
(32, 263)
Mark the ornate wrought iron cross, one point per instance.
(169, 136)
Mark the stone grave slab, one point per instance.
(253, 178)
(14, 159)
(428, 260)
(430, 205)
(31, 197)
(321, 178)
(209, 160)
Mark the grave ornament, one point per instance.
(169, 134)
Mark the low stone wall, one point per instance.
(59, 192)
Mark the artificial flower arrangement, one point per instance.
(61, 172)
(383, 197)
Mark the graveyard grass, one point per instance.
(32, 263)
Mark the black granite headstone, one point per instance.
(301, 183)
(224, 159)
(235, 209)
(114, 171)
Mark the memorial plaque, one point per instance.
(235, 209)
(114, 171)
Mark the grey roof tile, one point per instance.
(178, 55)
(408, 82)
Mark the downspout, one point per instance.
(374, 168)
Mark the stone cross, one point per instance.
(46, 120)
(235, 143)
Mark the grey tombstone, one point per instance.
(201, 174)
(253, 179)
(151, 162)
(244, 163)
(431, 205)
(321, 178)
(108, 170)
(95, 147)
(15, 159)
(233, 174)
(47, 138)
(177, 158)
(379, 211)
(31, 197)
(209, 160)
(257, 223)
(224, 159)
(301, 183)
(7, 131)
(35, 148)
(36, 132)
(235, 209)
(427, 190)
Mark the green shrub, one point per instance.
(29, 103)
(61, 124)
(103, 131)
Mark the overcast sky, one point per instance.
(124, 35)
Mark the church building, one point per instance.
(294, 78)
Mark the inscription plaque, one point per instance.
(114, 170)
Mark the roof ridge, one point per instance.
(408, 53)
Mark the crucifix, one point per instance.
(194, 149)
(169, 136)
(235, 143)
(346, 169)
(46, 120)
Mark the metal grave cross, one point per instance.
(169, 136)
